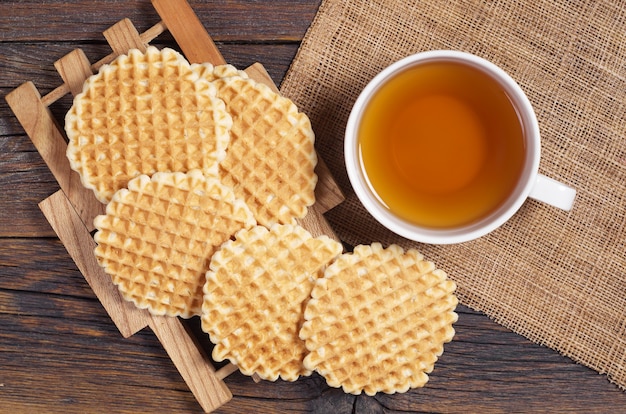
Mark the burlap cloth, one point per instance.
(558, 278)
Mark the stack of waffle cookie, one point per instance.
(204, 172)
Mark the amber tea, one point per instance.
(441, 144)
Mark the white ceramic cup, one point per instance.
(530, 184)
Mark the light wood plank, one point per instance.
(80, 245)
(74, 68)
(192, 363)
(45, 133)
(187, 29)
(123, 36)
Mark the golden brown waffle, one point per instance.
(157, 238)
(210, 72)
(143, 113)
(378, 319)
(254, 298)
(271, 159)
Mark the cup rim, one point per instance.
(404, 228)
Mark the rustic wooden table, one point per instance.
(60, 352)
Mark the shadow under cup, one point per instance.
(442, 147)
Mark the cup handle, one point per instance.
(553, 192)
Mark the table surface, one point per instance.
(60, 352)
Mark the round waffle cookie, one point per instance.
(271, 159)
(144, 113)
(157, 238)
(254, 298)
(378, 319)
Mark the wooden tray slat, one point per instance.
(80, 245)
(74, 68)
(183, 23)
(123, 36)
(46, 135)
(192, 363)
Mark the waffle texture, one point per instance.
(157, 238)
(141, 114)
(255, 294)
(212, 72)
(378, 319)
(271, 158)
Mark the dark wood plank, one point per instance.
(84, 348)
(26, 180)
(20, 62)
(40, 265)
(52, 20)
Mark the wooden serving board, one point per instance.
(71, 210)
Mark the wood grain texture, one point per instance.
(188, 31)
(123, 36)
(232, 21)
(80, 245)
(74, 68)
(192, 362)
(46, 134)
(61, 353)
